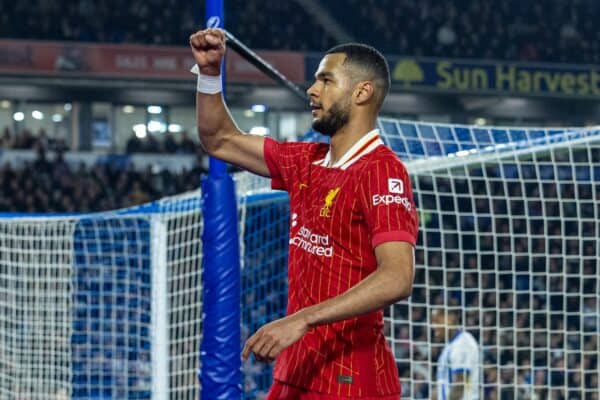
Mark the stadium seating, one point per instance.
(52, 185)
(550, 31)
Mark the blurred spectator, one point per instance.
(164, 22)
(187, 145)
(152, 145)
(52, 185)
(446, 35)
(24, 140)
(551, 31)
(6, 139)
(169, 144)
(134, 144)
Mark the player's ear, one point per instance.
(363, 92)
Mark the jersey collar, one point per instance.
(363, 146)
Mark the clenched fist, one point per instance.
(208, 47)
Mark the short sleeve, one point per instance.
(388, 203)
(283, 160)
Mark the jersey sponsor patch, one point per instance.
(395, 186)
(309, 241)
(388, 199)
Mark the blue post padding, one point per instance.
(220, 373)
(215, 19)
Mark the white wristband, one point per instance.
(208, 84)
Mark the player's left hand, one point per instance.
(274, 337)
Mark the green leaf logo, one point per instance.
(408, 72)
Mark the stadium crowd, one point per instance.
(25, 139)
(53, 185)
(549, 31)
(169, 143)
(159, 22)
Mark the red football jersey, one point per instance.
(339, 214)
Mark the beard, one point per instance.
(332, 121)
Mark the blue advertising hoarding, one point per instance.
(488, 77)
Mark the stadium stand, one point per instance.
(53, 185)
(171, 144)
(549, 31)
(162, 22)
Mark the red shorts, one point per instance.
(282, 391)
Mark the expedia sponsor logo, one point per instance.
(387, 199)
(312, 243)
(395, 186)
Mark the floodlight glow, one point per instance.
(259, 108)
(154, 109)
(57, 117)
(259, 130)
(156, 126)
(140, 130)
(19, 116)
(36, 114)
(175, 128)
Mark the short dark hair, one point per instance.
(368, 59)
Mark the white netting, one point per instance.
(509, 242)
(103, 305)
(35, 309)
(184, 261)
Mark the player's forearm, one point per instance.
(215, 124)
(380, 289)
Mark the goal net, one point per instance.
(103, 305)
(109, 305)
(508, 241)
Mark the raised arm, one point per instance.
(219, 135)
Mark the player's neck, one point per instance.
(346, 137)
